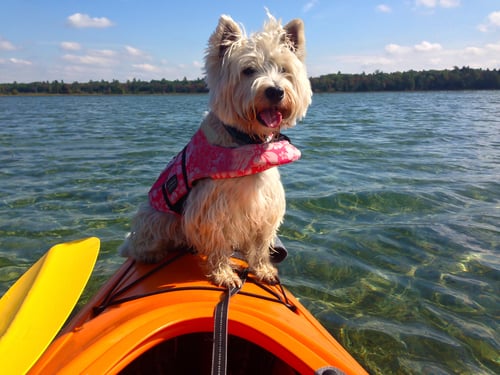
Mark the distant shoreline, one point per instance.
(464, 78)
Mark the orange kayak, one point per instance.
(159, 319)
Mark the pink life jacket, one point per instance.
(200, 159)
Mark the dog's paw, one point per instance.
(226, 277)
(267, 273)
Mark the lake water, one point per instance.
(393, 219)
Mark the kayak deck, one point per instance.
(159, 319)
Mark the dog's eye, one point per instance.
(282, 69)
(249, 71)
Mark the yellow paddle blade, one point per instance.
(34, 309)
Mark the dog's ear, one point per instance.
(226, 33)
(295, 37)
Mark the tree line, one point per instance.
(464, 78)
(134, 87)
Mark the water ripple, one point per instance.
(392, 223)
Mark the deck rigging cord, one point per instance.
(112, 298)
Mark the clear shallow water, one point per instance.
(393, 211)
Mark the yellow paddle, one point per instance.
(34, 309)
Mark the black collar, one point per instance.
(245, 139)
(242, 137)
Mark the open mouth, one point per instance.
(270, 117)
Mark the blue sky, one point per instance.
(81, 40)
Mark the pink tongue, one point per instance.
(272, 118)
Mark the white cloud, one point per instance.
(122, 63)
(426, 3)
(20, 61)
(146, 67)
(438, 3)
(89, 60)
(165, 69)
(309, 5)
(71, 46)
(427, 47)
(474, 51)
(422, 56)
(383, 8)
(5, 45)
(103, 53)
(492, 22)
(483, 28)
(136, 52)
(494, 18)
(449, 3)
(133, 51)
(396, 49)
(80, 20)
(493, 47)
(75, 62)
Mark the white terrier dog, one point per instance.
(223, 192)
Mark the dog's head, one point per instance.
(258, 84)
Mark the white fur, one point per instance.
(244, 213)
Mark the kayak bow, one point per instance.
(160, 319)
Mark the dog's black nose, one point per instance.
(275, 94)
